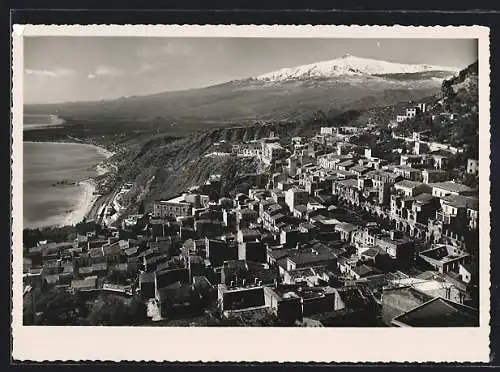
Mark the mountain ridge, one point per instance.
(246, 100)
(349, 65)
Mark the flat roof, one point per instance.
(452, 186)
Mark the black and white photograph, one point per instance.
(220, 182)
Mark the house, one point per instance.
(300, 211)
(359, 170)
(327, 130)
(442, 189)
(311, 254)
(240, 297)
(458, 210)
(271, 151)
(255, 251)
(248, 235)
(466, 272)
(88, 283)
(174, 207)
(345, 165)
(345, 229)
(444, 258)
(296, 196)
(440, 161)
(408, 173)
(438, 312)
(218, 251)
(434, 176)
(411, 188)
(177, 298)
(362, 271)
(382, 181)
(472, 166)
(164, 278)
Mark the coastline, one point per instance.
(88, 198)
(82, 209)
(100, 149)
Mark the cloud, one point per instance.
(146, 67)
(104, 70)
(171, 48)
(58, 72)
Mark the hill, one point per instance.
(453, 113)
(338, 85)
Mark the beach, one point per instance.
(59, 185)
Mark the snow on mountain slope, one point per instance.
(349, 66)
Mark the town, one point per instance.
(327, 233)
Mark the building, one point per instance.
(408, 173)
(175, 207)
(411, 188)
(444, 258)
(327, 130)
(296, 196)
(312, 254)
(434, 176)
(442, 189)
(472, 166)
(236, 297)
(346, 230)
(439, 312)
(411, 112)
(272, 151)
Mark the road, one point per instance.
(102, 200)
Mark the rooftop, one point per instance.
(407, 184)
(452, 186)
(439, 312)
(461, 201)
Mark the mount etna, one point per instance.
(288, 94)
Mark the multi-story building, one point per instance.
(434, 176)
(174, 207)
(296, 196)
(442, 189)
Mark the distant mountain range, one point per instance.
(349, 65)
(292, 93)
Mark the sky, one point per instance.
(59, 69)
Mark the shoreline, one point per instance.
(85, 204)
(100, 149)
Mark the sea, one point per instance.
(53, 191)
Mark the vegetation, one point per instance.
(52, 234)
(57, 307)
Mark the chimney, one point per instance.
(231, 284)
(243, 282)
(256, 280)
(259, 283)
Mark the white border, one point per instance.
(253, 344)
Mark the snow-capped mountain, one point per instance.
(342, 84)
(349, 65)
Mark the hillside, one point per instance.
(453, 113)
(290, 94)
